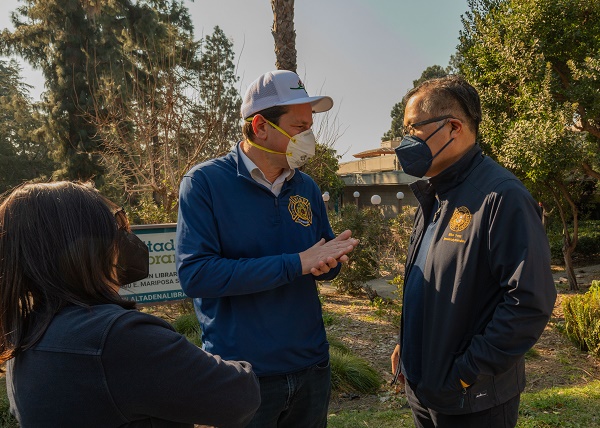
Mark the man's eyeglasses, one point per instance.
(410, 128)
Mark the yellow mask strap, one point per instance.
(264, 149)
(274, 126)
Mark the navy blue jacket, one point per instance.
(489, 290)
(106, 366)
(237, 255)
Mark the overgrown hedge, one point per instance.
(582, 319)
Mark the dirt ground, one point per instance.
(370, 332)
(554, 360)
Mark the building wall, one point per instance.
(378, 163)
(378, 175)
(389, 202)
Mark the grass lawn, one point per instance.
(555, 407)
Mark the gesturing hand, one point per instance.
(324, 256)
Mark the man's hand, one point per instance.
(395, 360)
(324, 256)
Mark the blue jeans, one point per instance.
(502, 416)
(294, 400)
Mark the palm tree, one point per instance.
(284, 34)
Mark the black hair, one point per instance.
(58, 246)
(449, 95)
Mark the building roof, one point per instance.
(375, 152)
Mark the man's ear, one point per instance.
(259, 127)
(458, 127)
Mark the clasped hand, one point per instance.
(324, 256)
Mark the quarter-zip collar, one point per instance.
(243, 172)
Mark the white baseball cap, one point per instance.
(280, 88)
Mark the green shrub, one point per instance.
(188, 325)
(398, 281)
(349, 372)
(588, 241)
(382, 248)
(336, 343)
(582, 319)
(367, 225)
(6, 419)
(328, 318)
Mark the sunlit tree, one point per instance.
(536, 65)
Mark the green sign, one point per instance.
(162, 284)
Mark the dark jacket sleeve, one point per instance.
(152, 370)
(519, 259)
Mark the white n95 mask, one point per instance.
(299, 150)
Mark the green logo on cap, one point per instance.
(300, 85)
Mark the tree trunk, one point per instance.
(569, 242)
(567, 254)
(284, 34)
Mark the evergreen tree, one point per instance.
(23, 154)
(54, 36)
(76, 44)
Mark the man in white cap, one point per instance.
(252, 238)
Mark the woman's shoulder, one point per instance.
(83, 329)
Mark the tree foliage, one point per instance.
(397, 113)
(184, 111)
(132, 100)
(76, 44)
(53, 36)
(369, 226)
(323, 169)
(24, 154)
(535, 64)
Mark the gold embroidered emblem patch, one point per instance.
(460, 219)
(299, 208)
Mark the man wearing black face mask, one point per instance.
(478, 289)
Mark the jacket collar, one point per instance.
(451, 177)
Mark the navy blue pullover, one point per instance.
(237, 255)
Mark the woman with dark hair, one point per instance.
(78, 354)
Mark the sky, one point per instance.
(364, 54)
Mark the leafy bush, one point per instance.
(582, 319)
(147, 212)
(351, 373)
(588, 242)
(367, 225)
(400, 228)
(382, 247)
(398, 281)
(188, 325)
(6, 419)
